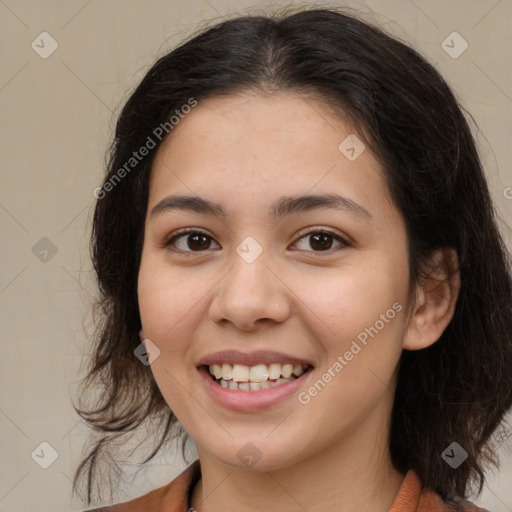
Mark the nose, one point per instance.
(249, 295)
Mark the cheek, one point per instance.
(166, 306)
(166, 301)
(353, 298)
(361, 313)
(372, 341)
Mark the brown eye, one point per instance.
(198, 242)
(190, 241)
(322, 241)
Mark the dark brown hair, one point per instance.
(456, 390)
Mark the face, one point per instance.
(273, 277)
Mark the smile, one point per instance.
(240, 377)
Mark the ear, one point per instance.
(141, 335)
(436, 297)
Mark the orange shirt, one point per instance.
(175, 497)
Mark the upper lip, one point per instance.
(250, 358)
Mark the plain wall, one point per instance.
(57, 119)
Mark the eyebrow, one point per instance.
(284, 206)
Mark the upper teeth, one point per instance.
(258, 373)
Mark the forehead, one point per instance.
(282, 121)
(253, 146)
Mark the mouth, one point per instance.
(239, 377)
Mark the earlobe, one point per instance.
(436, 297)
(141, 335)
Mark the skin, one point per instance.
(294, 298)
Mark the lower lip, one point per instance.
(242, 401)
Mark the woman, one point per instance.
(298, 261)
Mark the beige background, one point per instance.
(57, 117)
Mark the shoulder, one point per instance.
(413, 497)
(452, 506)
(147, 503)
(432, 502)
(171, 497)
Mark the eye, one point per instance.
(322, 241)
(194, 240)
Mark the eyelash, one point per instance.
(189, 231)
